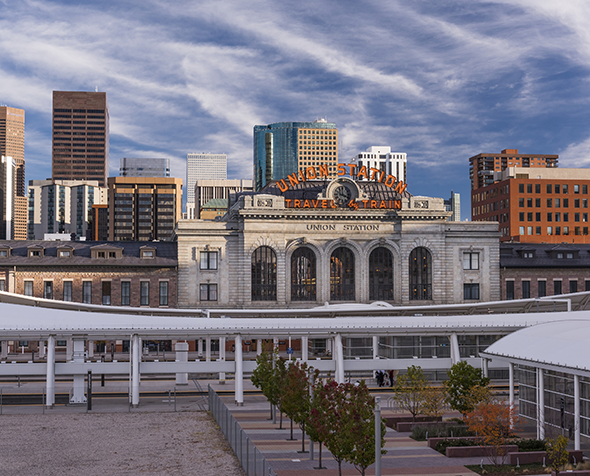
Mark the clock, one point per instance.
(342, 195)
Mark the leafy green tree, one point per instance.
(463, 379)
(318, 426)
(410, 391)
(268, 376)
(557, 452)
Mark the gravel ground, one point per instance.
(115, 444)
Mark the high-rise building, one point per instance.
(204, 166)
(100, 223)
(62, 206)
(134, 167)
(482, 166)
(80, 136)
(453, 205)
(381, 158)
(144, 208)
(12, 144)
(285, 148)
(206, 190)
(7, 174)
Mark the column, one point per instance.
(208, 349)
(576, 412)
(135, 356)
(511, 384)
(4, 349)
(181, 349)
(259, 346)
(484, 364)
(338, 357)
(41, 348)
(239, 388)
(289, 347)
(455, 353)
(200, 348)
(78, 358)
(90, 348)
(69, 349)
(540, 405)
(50, 371)
(222, 358)
(304, 348)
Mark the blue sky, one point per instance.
(439, 80)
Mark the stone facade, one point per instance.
(267, 219)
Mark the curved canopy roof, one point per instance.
(560, 345)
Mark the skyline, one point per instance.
(439, 82)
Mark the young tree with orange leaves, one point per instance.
(495, 422)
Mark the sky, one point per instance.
(439, 80)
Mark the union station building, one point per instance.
(301, 242)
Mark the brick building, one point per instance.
(119, 274)
(541, 205)
(540, 269)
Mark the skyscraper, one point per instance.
(80, 136)
(7, 174)
(12, 144)
(381, 158)
(284, 148)
(134, 167)
(203, 166)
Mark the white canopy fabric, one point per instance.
(559, 344)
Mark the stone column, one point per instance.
(540, 405)
(50, 401)
(239, 387)
(90, 348)
(222, 358)
(135, 355)
(304, 348)
(181, 349)
(78, 358)
(576, 412)
(338, 357)
(208, 349)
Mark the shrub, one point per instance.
(442, 446)
(529, 444)
(438, 431)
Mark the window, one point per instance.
(537, 202)
(521, 216)
(163, 293)
(509, 290)
(208, 292)
(541, 288)
(420, 274)
(303, 275)
(106, 293)
(587, 284)
(557, 203)
(65, 254)
(381, 275)
(87, 292)
(537, 230)
(28, 288)
(147, 254)
(576, 189)
(529, 203)
(549, 203)
(264, 274)
(537, 188)
(144, 293)
(526, 289)
(208, 260)
(564, 188)
(550, 217)
(550, 230)
(470, 291)
(48, 289)
(558, 217)
(529, 216)
(521, 230)
(521, 188)
(573, 286)
(2, 285)
(529, 188)
(584, 188)
(584, 203)
(125, 293)
(549, 188)
(470, 260)
(556, 188)
(67, 286)
(521, 202)
(566, 203)
(556, 287)
(3, 253)
(342, 275)
(538, 216)
(528, 254)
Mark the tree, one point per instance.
(268, 376)
(410, 391)
(434, 401)
(492, 421)
(557, 452)
(318, 424)
(362, 428)
(463, 378)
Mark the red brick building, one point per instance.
(118, 274)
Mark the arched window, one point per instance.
(381, 275)
(342, 275)
(303, 275)
(264, 274)
(420, 274)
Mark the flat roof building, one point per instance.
(381, 158)
(135, 167)
(80, 136)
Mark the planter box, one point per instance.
(432, 442)
(467, 451)
(392, 421)
(409, 425)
